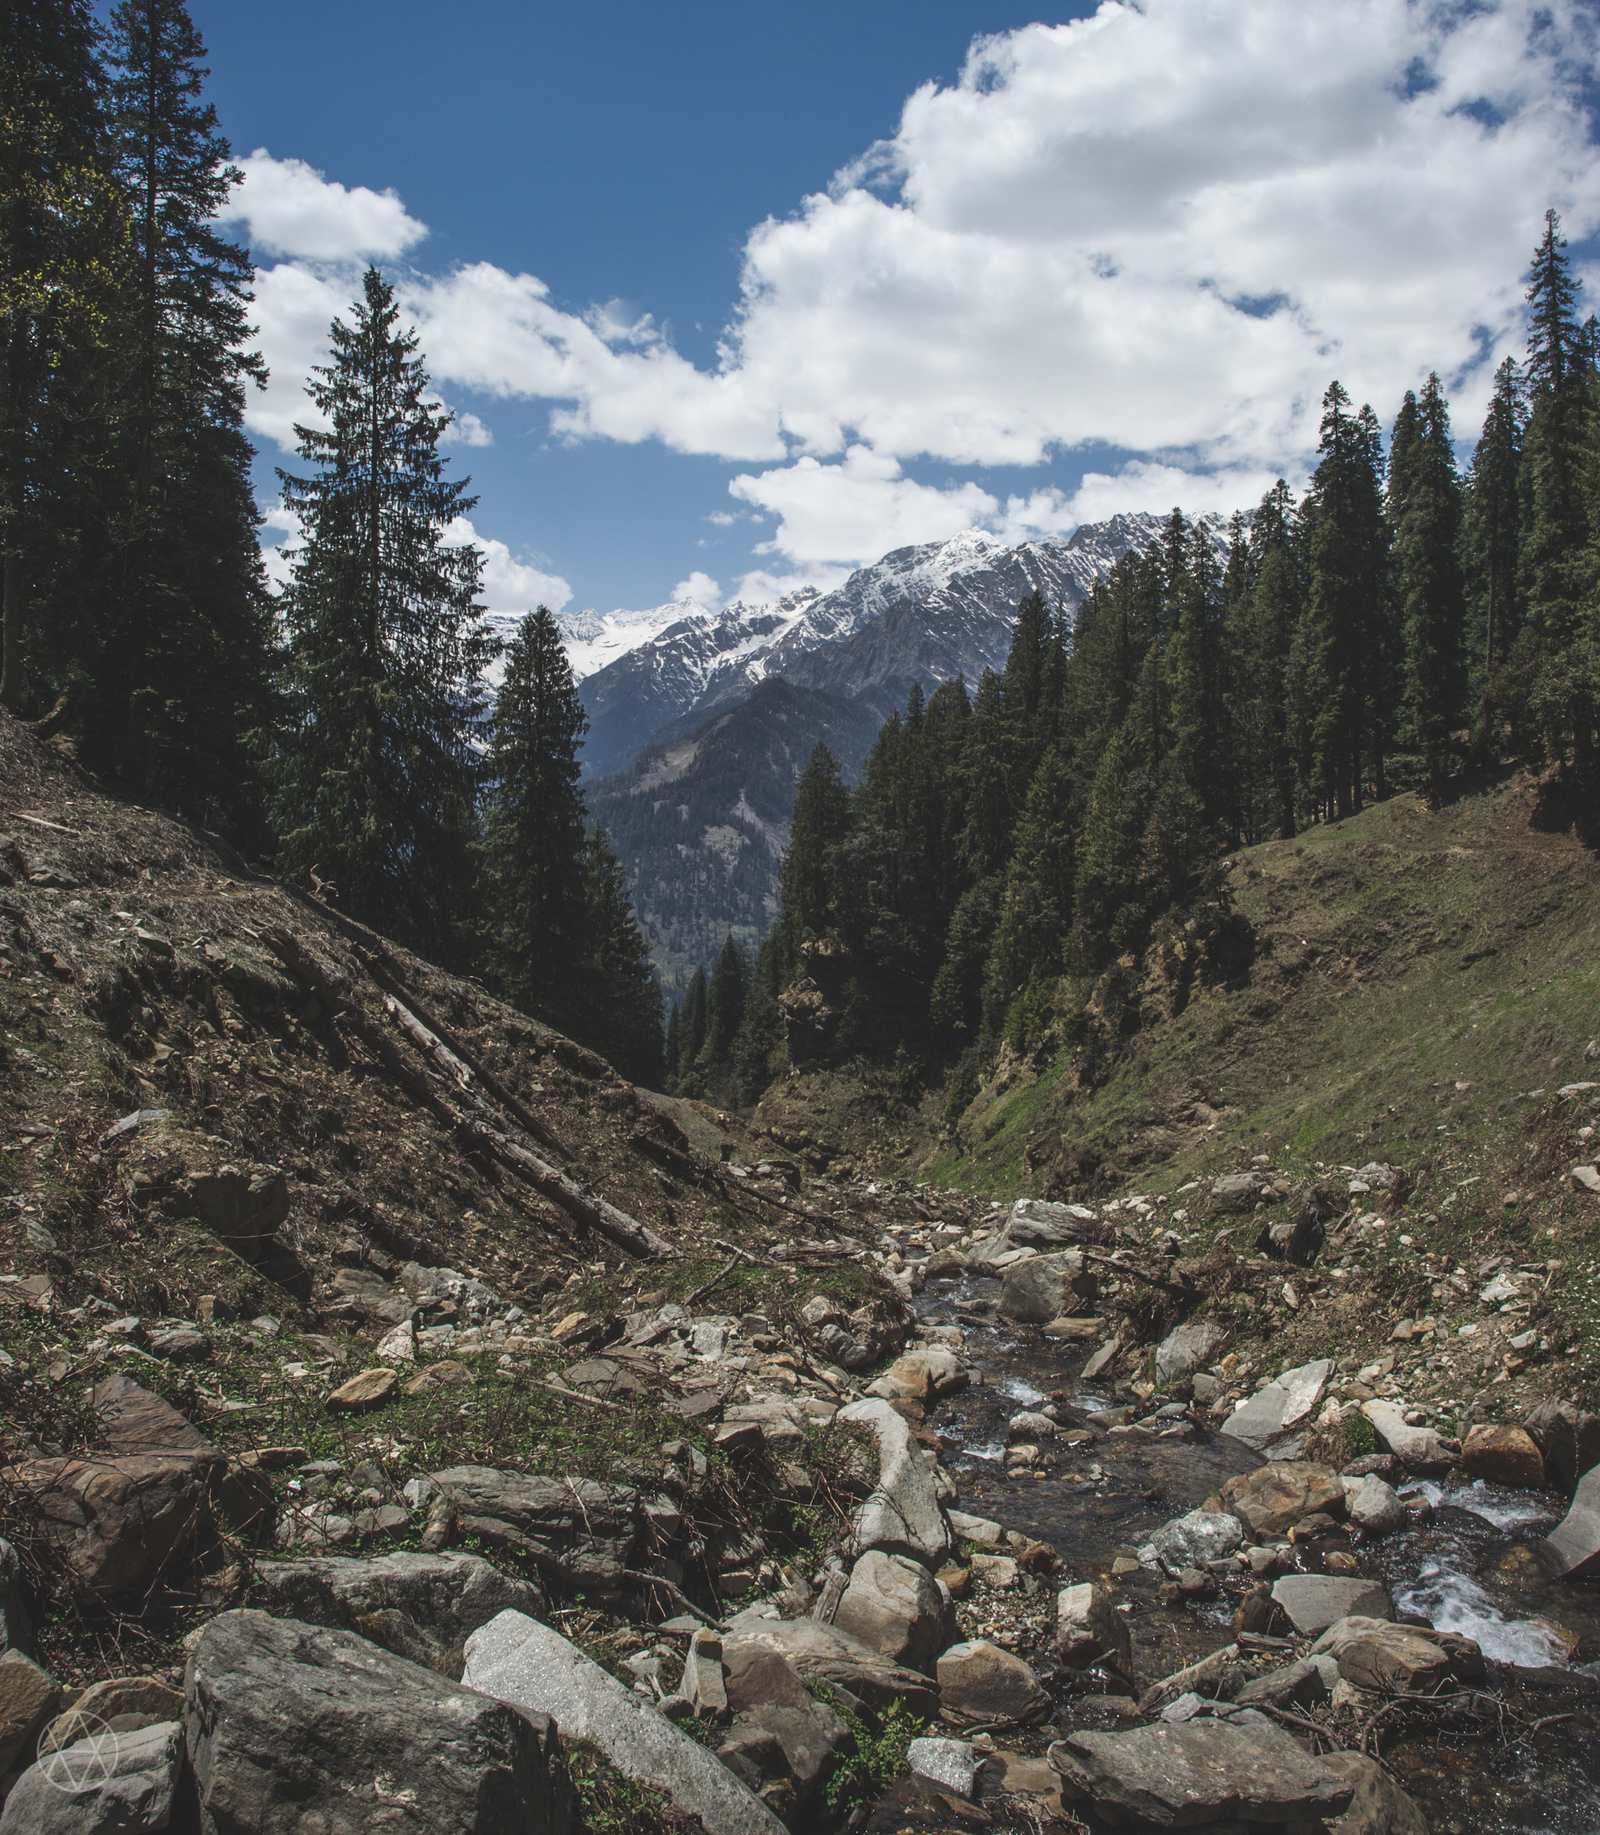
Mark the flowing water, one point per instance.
(1471, 1568)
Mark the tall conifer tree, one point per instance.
(387, 647)
(1493, 523)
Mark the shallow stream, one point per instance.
(1470, 1569)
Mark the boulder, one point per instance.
(1571, 1551)
(1503, 1455)
(1569, 1439)
(953, 1764)
(118, 1521)
(1270, 1500)
(537, 1671)
(1378, 1806)
(922, 1375)
(1091, 1631)
(1037, 1223)
(180, 1344)
(1035, 1291)
(1199, 1537)
(100, 1786)
(1419, 1449)
(980, 1529)
(980, 1683)
(1294, 1685)
(1374, 1507)
(841, 1346)
(1187, 1348)
(1237, 1191)
(1398, 1659)
(1312, 1602)
(170, 1168)
(366, 1389)
(776, 1717)
(903, 1514)
(1279, 1405)
(580, 1532)
(825, 1656)
(1243, 1768)
(894, 1604)
(409, 1603)
(29, 1700)
(292, 1727)
(704, 1686)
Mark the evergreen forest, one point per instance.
(1012, 855)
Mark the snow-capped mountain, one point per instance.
(923, 613)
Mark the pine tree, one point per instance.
(378, 776)
(1493, 524)
(1197, 680)
(818, 824)
(726, 990)
(1264, 617)
(691, 1034)
(63, 249)
(534, 839)
(617, 1000)
(1425, 512)
(182, 663)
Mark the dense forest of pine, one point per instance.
(1009, 856)
(341, 732)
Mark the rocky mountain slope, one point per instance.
(923, 613)
(701, 819)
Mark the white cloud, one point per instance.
(291, 209)
(701, 589)
(467, 430)
(510, 586)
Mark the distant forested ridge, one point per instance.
(1011, 856)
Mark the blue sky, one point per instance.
(1019, 287)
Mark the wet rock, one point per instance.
(1295, 1685)
(1214, 1677)
(775, 1718)
(903, 1514)
(366, 1389)
(1091, 1631)
(537, 1671)
(1378, 1806)
(29, 1700)
(97, 1786)
(1504, 1456)
(1398, 1659)
(1280, 1405)
(1569, 1439)
(824, 1655)
(1572, 1549)
(1270, 1500)
(1199, 1537)
(953, 1764)
(922, 1375)
(1419, 1449)
(1315, 1601)
(1375, 1507)
(441, 1598)
(295, 1726)
(1243, 1768)
(1374, 1465)
(1187, 1349)
(578, 1531)
(980, 1683)
(894, 1605)
(703, 1685)
(1035, 1291)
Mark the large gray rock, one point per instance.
(1199, 1537)
(1280, 1405)
(535, 1670)
(1315, 1601)
(401, 1600)
(1037, 1223)
(1399, 1659)
(896, 1606)
(1569, 1439)
(1091, 1631)
(981, 1685)
(1179, 1775)
(923, 1374)
(1419, 1449)
(1571, 1551)
(29, 1700)
(297, 1727)
(1291, 1685)
(1272, 1498)
(952, 1763)
(1237, 1191)
(121, 1785)
(1375, 1507)
(903, 1515)
(1042, 1288)
(1187, 1348)
(779, 1730)
(579, 1532)
(825, 1656)
(1378, 1806)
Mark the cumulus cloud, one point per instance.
(510, 587)
(289, 208)
(701, 589)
